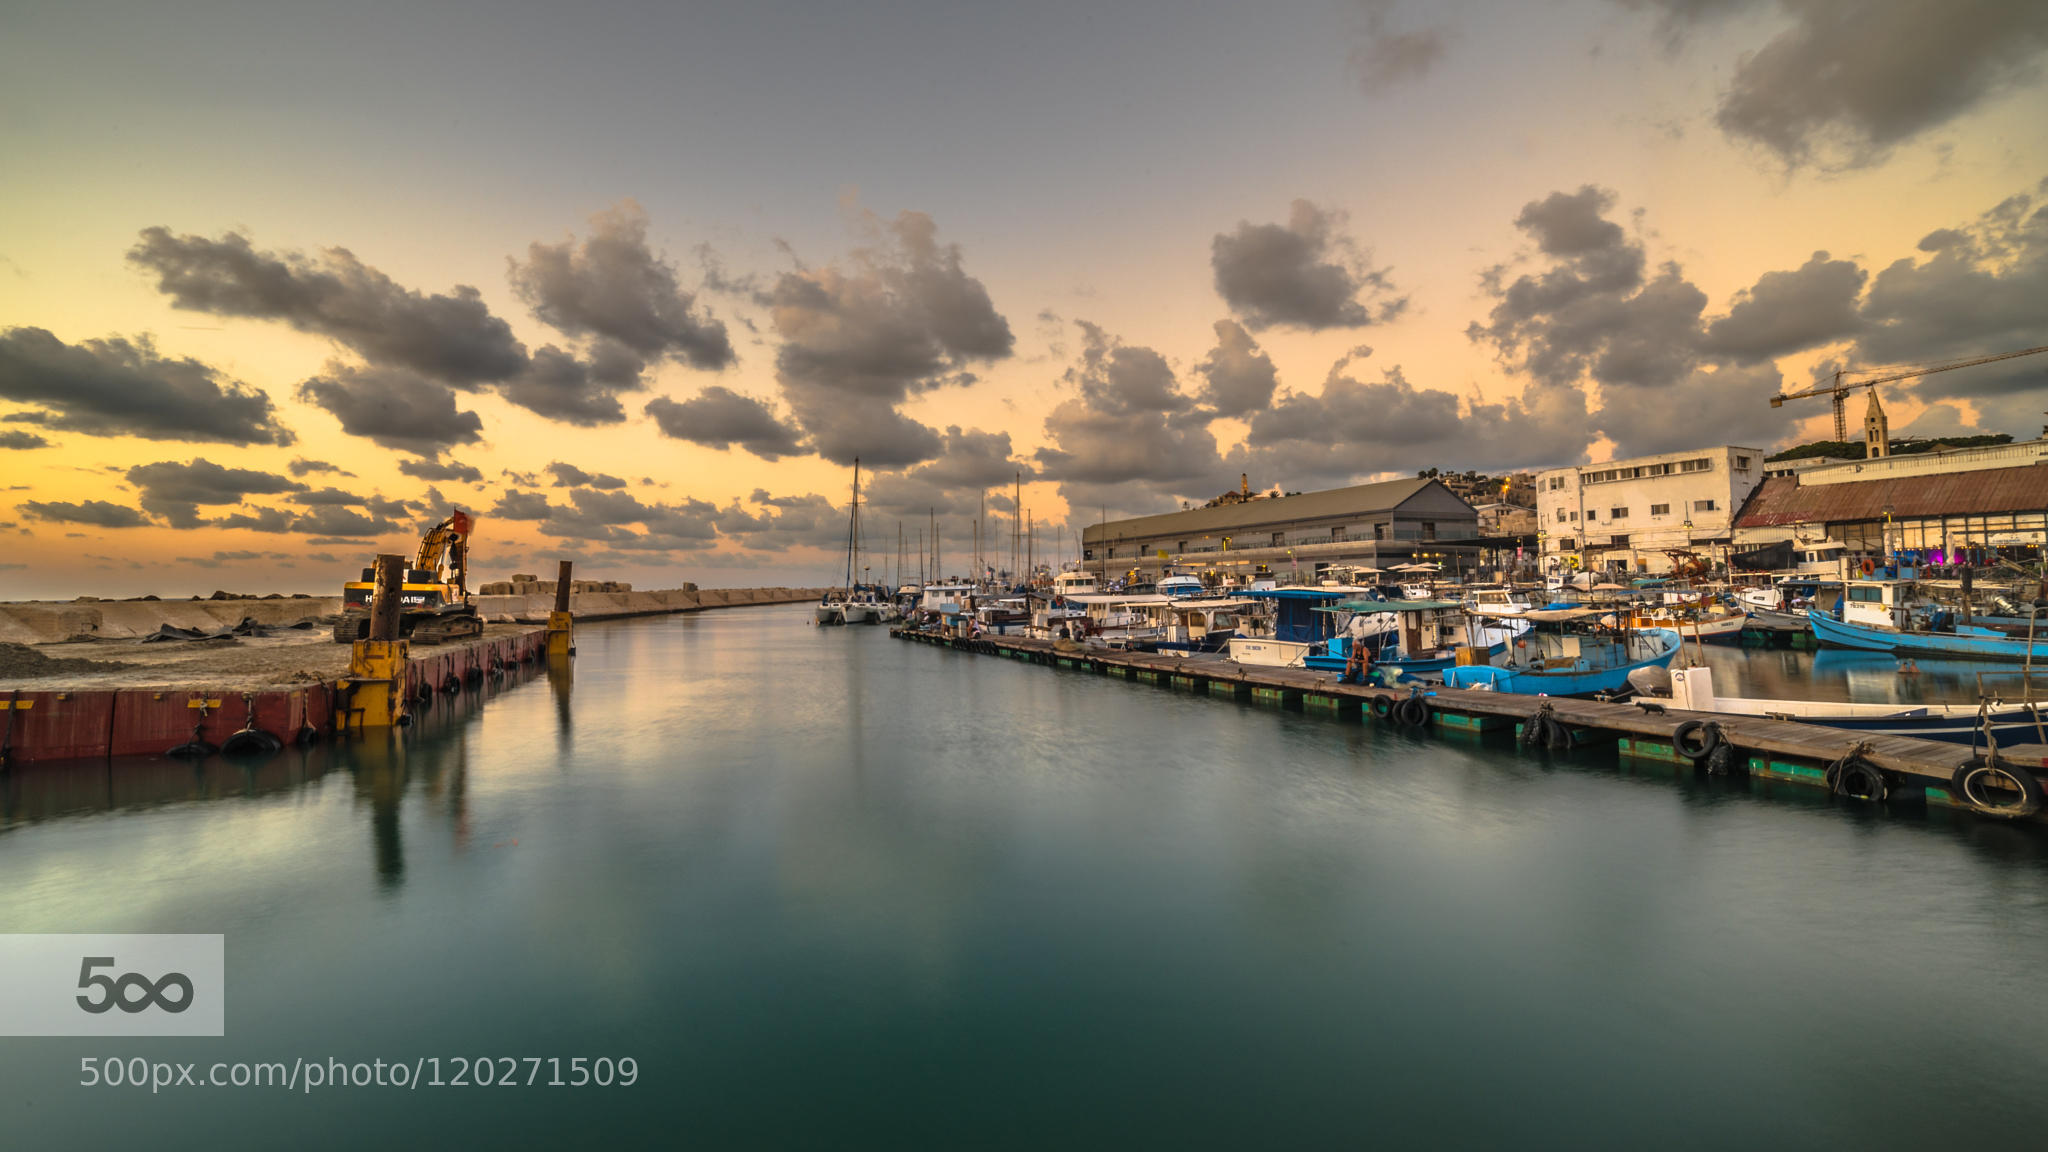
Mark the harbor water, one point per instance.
(827, 889)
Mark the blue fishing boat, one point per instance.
(1424, 638)
(1886, 616)
(1570, 652)
(1294, 630)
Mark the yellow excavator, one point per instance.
(434, 603)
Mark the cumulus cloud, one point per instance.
(1597, 314)
(450, 337)
(332, 521)
(607, 517)
(517, 505)
(784, 522)
(1786, 312)
(305, 467)
(393, 407)
(258, 520)
(121, 387)
(1240, 377)
(969, 462)
(175, 491)
(97, 513)
(721, 418)
(1307, 273)
(570, 476)
(1976, 291)
(1385, 54)
(21, 441)
(1842, 82)
(438, 470)
(614, 287)
(901, 317)
(1130, 437)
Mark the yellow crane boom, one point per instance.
(1840, 390)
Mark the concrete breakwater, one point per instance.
(53, 622)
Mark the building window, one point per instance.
(1429, 529)
(1592, 513)
(1560, 515)
(1556, 482)
(1337, 535)
(1704, 464)
(1575, 517)
(1183, 548)
(1567, 544)
(1279, 539)
(1703, 505)
(1660, 509)
(1379, 531)
(1742, 462)
(1088, 554)
(1620, 541)
(1617, 513)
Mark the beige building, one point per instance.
(1622, 516)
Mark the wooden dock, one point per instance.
(1908, 768)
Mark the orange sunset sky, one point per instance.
(280, 283)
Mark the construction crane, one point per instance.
(1840, 390)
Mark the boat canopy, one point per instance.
(1393, 606)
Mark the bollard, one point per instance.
(561, 631)
(377, 666)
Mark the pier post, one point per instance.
(561, 631)
(377, 665)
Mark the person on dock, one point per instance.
(1358, 662)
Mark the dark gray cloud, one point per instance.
(1386, 54)
(98, 513)
(784, 522)
(721, 418)
(1849, 79)
(258, 520)
(570, 476)
(583, 392)
(120, 387)
(327, 496)
(305, 467)
(438, 470)
(613, 286)
(517, 505)
(607, 516)
(1596, 314)
(1307, 273)
(902, 317)
(1353, 429)
(1240, 377)
(390, 509)
(951, 484)
(1976, 291)
(1130, 438)
(332, 521)
(453, 338)
(393, 407)
(174, 491)
(1786, 312)
(1841, 82)
(21, 441)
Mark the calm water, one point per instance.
(834, 890)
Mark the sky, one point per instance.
(635, 284)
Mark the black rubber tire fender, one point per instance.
(251, 742)
(1967, 785)
(1556, 736)
(1382, 707)
(1858, 780)
(1414, 712)
(1682, 739)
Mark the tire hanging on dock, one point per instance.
(1696, 739)
(1382, 707)
(1996, 787)
(1854, 776)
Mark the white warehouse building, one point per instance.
(1619, 517)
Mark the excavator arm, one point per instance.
(449, 539)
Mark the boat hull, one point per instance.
(1835, 633)
(1268, 652)
(1563, 681)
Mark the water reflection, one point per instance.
(429, 759)
(1862, 677)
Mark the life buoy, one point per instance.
(1869, 566)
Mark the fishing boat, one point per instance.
(1571, 652)
(1117, 619)
(1499, 600)
(1293, 629)
(1889, 616)
(1190, 626)
(1692, 689)
(1179, 586)
(1417, 637)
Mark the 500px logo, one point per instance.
(152, 992)
(113, 985)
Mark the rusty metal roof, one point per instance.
(1783, 500)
